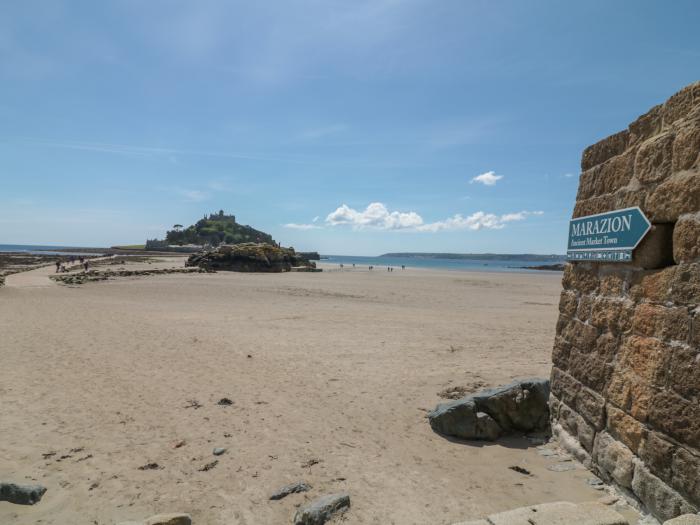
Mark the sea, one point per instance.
(33, 249)
(492, 265)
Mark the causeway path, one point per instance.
(38, 277)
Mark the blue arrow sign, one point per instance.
(609, 236)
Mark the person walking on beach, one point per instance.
(86, 264)
(58, 266)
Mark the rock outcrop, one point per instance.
(104, 275)
(249, 257)
(626, 375)
(518, 407)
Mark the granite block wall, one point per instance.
(626, 358)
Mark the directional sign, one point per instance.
(608, 237)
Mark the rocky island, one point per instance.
(251, 257)
(218, 242)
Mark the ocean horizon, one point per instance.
(490, 265)
(38, 249)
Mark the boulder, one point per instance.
(21, 494)
(461, 419)
(249, 257)
(322, 509)
(521, 406)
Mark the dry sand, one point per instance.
(330, 375)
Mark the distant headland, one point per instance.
(480, 256)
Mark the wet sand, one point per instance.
(330, 374)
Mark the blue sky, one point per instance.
(348, 127)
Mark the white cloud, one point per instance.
(477, 221)
(315, 219)
(569, 175)
(296, 226)
(193, 195)
(376, 215)
(487, 179)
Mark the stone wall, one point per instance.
(626, 375)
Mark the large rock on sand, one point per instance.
(21, 494)
(249, 257)
(462, 419)
(322, 509)
(518, 407)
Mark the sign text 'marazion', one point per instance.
(618, 231)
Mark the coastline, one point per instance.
(499, 263)
(449, 265)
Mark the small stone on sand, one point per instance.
(21, 494)
(209, 466)
(322, 509)
(562, 467)
(293, 488)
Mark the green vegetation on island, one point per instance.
(213, 230)
(130, 247)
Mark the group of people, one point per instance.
(62, 266)
(388, 268)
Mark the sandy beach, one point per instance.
(110, 394)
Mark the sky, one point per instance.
(348, 127)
